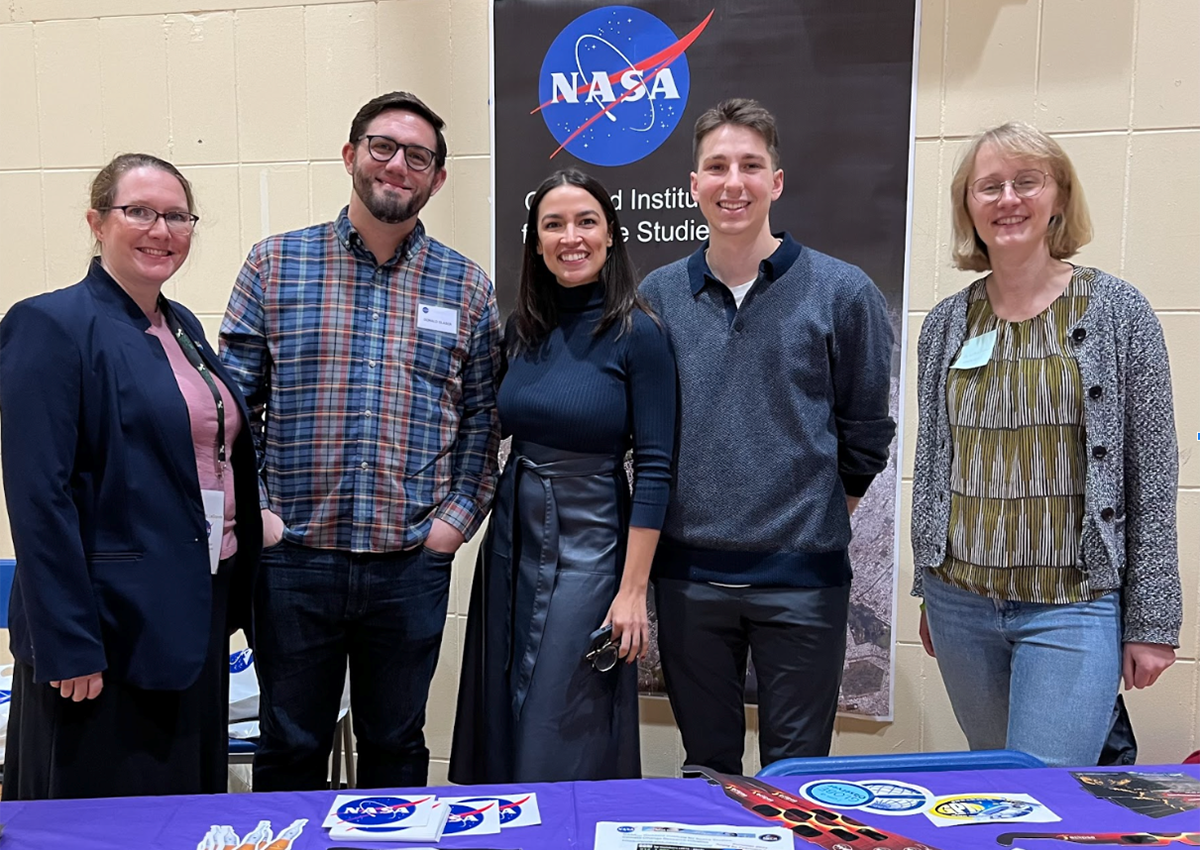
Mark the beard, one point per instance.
(386, 206)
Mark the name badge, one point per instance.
(214, 519)
(441, 319)
(975, 352)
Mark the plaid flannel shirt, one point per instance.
(369, 420)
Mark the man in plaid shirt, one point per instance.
(368, 353)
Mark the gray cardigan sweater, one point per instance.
(1129, 535)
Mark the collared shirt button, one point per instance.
(1107, 514)
(370, 364)
(374, 317)
(364, 465)
(1096, 391)
(366, 413)
(737, 326)
(1099, 452)
(1079, 334)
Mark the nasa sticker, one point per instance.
(614, 84)
(478, 816)
(380, 813)
(517, 810)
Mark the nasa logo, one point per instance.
(374, 814)
(614, 84)
(464, 818)
(240, 660)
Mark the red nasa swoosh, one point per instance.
(653, 64)
(516, 803)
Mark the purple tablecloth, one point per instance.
(569, 813)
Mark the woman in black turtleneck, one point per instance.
(589, 375)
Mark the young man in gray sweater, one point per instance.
(784, 360)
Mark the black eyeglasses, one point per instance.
(382, 149)
(144, 218)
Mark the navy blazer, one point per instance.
(103, 496)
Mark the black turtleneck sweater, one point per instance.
(598, 394)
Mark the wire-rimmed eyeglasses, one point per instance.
(1026, 184)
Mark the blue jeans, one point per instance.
(314, 610)
(1041, 679)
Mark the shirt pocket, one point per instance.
(437, 358)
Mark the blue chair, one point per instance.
(903, 763)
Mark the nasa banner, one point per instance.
(616, 89)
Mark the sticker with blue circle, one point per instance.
(837, 794)
(896, 798)
(878, 796)
(377, 814)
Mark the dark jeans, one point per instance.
(315, 609)
(797, 637)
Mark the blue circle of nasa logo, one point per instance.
(377, 812)
(424, 309)
(241, 660)
(614, 84)
(624, 829)
(768, 837)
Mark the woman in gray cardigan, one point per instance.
(1043, 522)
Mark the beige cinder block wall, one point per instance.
(254, 103)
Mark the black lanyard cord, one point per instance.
(192, 353)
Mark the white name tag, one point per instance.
(214, 518)
(434, 318)
(975, 352)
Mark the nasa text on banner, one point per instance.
(616, 89)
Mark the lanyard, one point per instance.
(191, 352)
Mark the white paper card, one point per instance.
(975, 352)
(433, 318)
(613, 835)
(214, 520)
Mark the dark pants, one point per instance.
(797, 637)
(314, 610)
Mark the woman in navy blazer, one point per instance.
(131, 485)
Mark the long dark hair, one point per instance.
(537, 314)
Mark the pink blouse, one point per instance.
(202, 411)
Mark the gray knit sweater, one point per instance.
(1129, 537)
(783, 412)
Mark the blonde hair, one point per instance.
(1069, 230)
